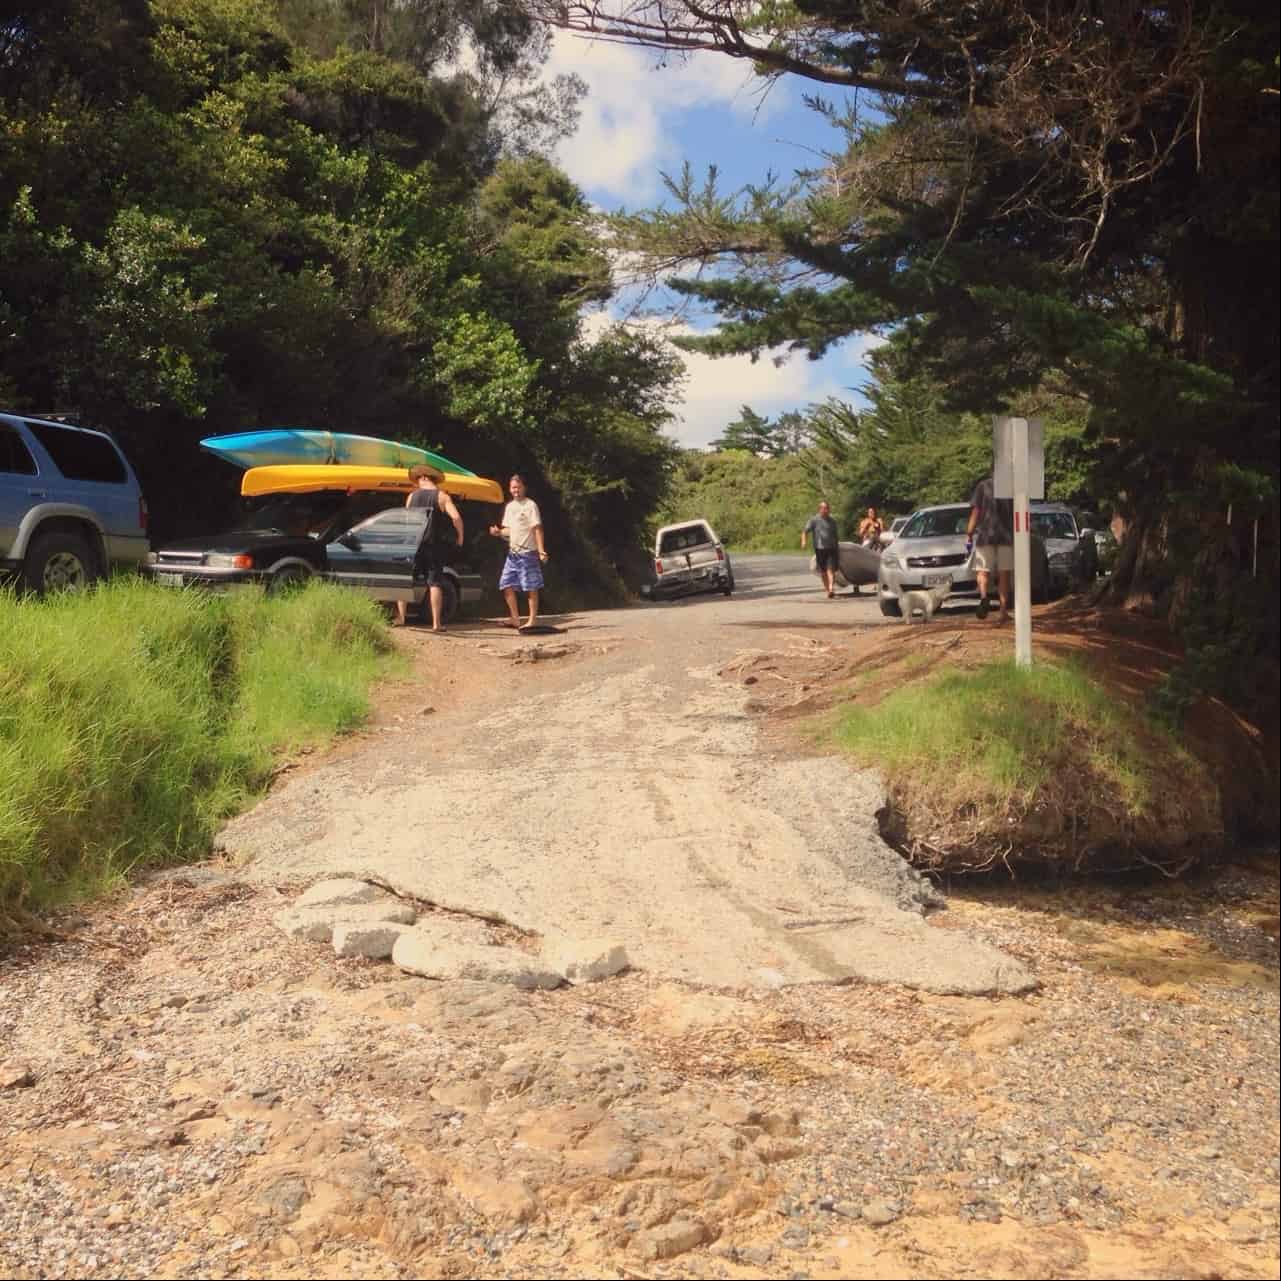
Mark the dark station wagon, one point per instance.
(358, 540)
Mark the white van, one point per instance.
(689, 558)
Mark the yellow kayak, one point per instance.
(303, 478)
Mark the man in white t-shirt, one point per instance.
(523, 569)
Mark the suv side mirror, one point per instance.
(350, 541)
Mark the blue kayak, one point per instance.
(281, 446)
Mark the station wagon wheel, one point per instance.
(448, 604)
(288, 578)
(59, 562)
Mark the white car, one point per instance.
(896, 526)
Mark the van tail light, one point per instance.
(143, 514)
(658, 567)
(720, 553)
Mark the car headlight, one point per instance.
(890, 561)
(222, 560)
(150, 559)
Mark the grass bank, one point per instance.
(133, 719)
(996, 764)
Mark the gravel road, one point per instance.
(627, 797)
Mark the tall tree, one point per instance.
(1066, 195)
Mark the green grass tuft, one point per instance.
(133, 719)
(1001, 730)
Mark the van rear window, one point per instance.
(80, 455)
(679, 540)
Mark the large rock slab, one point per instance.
(641, 806)
(435, 955)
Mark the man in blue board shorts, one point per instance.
(526, 553)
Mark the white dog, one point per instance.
(919, 606)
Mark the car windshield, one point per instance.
(1054, 524)
(897, 523)
(940, 522)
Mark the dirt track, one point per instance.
(191, 1093)
(624, 795)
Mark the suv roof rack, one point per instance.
(72, 420)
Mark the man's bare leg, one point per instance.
(829, 577)
(533, 608)
(401, 612)
(1003, 588)
(513, 607)
(437, 602)
(981, 576)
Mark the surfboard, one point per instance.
(282, 446)
(303, 478)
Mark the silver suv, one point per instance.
(70, 505)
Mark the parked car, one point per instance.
(1072, 551)
(70, 506)
(689, 558)
(930, 552)
(855, 564)
(895, 528)
(364, 540)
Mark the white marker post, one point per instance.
(1022, 547)
(1019, 473)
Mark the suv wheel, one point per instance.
(890, 608)
(59, 562)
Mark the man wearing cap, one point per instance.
(526, 553)
(429, 496)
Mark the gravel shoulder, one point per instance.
(188, 1092)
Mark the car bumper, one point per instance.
(210, 579)
(673, 585)
(891, 584)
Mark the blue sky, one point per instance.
(641, 119)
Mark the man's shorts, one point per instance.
(523, 571)
(992, 557)
(825, 558)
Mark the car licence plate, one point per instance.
(937, 580)
(169, 580)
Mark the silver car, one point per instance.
(929, 552)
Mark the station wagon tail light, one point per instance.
(142, 513)
(658, 567)
(720, 553)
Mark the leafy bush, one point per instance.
(133, 719)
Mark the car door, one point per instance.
(376, 556)
(18, 478)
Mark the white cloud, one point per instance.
(628, 130)
(717, 387)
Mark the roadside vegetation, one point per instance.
(995, 765)
(133, 719)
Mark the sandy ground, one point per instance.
(187, 1092)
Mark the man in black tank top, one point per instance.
(428, 495)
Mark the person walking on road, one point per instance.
(429, 496)
(526, 553)
(990, 536)
(826, 545)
